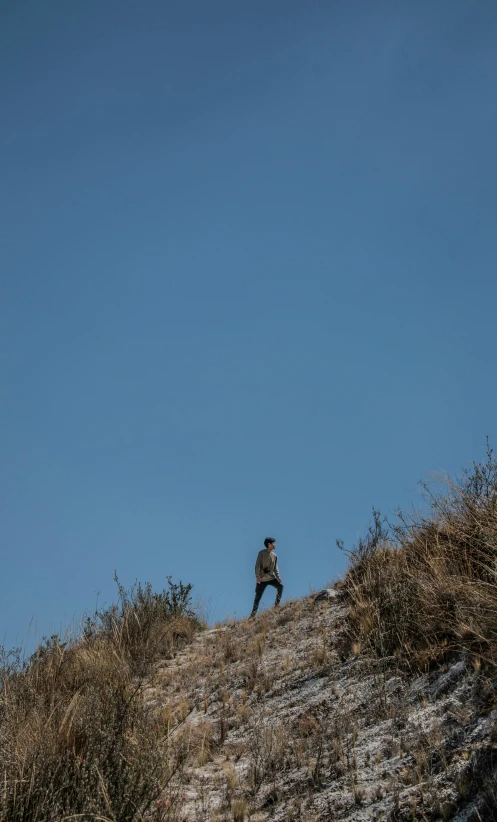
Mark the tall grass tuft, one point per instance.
(427, 585)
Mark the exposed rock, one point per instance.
(326, 594)
(445, 682)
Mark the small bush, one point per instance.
(144, 624)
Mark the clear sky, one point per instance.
(248, 285)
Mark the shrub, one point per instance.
(144, 624)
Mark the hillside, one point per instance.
(376, 700)
(275, 724)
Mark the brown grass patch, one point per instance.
(75, 736)
(427, 586)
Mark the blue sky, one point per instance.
(248, 285)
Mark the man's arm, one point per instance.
(276, 570)
(258, 567)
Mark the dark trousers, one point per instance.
(259, 590)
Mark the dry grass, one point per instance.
(75, 737)
(239, 809)
(427, 586)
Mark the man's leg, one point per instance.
(279, 590)
(259, 590)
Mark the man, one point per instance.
(267, 573)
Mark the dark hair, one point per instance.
(268, 540)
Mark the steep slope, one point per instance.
(281, 719)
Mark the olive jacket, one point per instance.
(266, 566)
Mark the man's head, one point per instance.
(270, 543)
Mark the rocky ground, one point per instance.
(279, 718)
